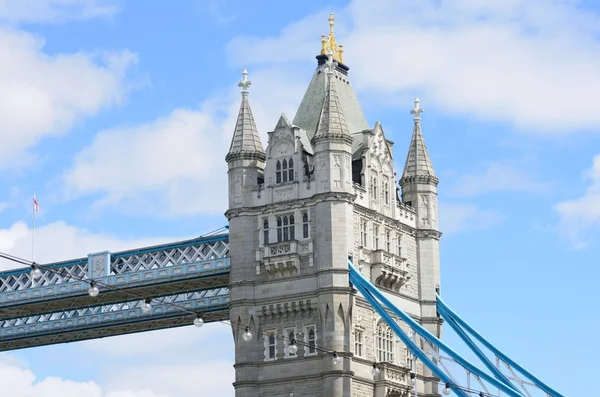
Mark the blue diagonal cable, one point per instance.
(430, 337)
(405, 338)
(486, 361)
(547, 389)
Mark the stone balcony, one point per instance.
(392, 381)
(388, 271)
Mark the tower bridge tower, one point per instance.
(323, 190)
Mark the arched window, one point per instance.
(266, 231)
(374, 183)
(284, 170)
(285, 228)
(386, 193)
(305, 225)
(291, 170)
(291, 337)
(384, 343)
(278, 171)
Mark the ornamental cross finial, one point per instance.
(331, 22)
(417, 109)
(244, 83)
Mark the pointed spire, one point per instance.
(418, 165)
(245, 141)
(332, 123)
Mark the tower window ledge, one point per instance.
(281, 248)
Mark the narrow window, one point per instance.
(374, 187)
(376, 238)
(363, 233)
(266, 231)
(386, 193)
(409, 358)
(291, 170)
(270, 345)
(358, 343)
(291, 337)
(305, 225)
(284, 168)
(310, 340)
(278, 171)
(388, 241)
(279, 230)
(399, 244)
(286, 236)
(292, 228)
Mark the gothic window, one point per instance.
(290, 334)
(310, 339)
(358, 342)
(384, 343)
(285, 228)
(270, 345)
(278, 171)
(388, 241)
(363, 233)
(386, 192)
(374, 184)
(266, 231)
(284, 170)
(376, 237)
(305, 225)
(399, 244)
(291, 170)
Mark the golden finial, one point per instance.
(328, 44)
(341, 53)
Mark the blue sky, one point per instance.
(120, 114)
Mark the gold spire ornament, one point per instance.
(329, 44)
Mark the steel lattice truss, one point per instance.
(168, 269)
(182, 278)
(195, 250)
(498, 377)
(114, 319)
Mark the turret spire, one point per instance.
(418, 165)
(332, 123)
(245, 141)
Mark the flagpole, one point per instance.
(33, 230)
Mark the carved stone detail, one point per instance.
(284, 193)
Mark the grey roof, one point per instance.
(331, 120)
(418, 164)
(309, 112)
(245, 137)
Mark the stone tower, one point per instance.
(323, 190)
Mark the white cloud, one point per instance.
(130, 365)
(23, 383)
(532, 64)
(455, 218)
(498, 177)
(55, 10)
(581, 215)
(60, 241)
(44, 95)
(175, 166)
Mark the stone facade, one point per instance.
(319, 193)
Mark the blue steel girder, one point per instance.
(114, 319)
(166, 269)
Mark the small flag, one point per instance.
(36, 207)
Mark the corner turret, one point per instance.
(246, 156)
